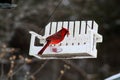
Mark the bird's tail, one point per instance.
(43, 49)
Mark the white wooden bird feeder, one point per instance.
(81, 43)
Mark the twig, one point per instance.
(73, 65)
(39, 69)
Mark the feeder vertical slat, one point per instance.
(53, 28)
(47, 30)
(59, 26)
(95, 26)
(76, 32)
(71, 26)
(83, 25)
(89, 24)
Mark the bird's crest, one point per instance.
(66, 30)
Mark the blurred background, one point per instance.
(15, 62)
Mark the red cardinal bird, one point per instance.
(54, 39)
